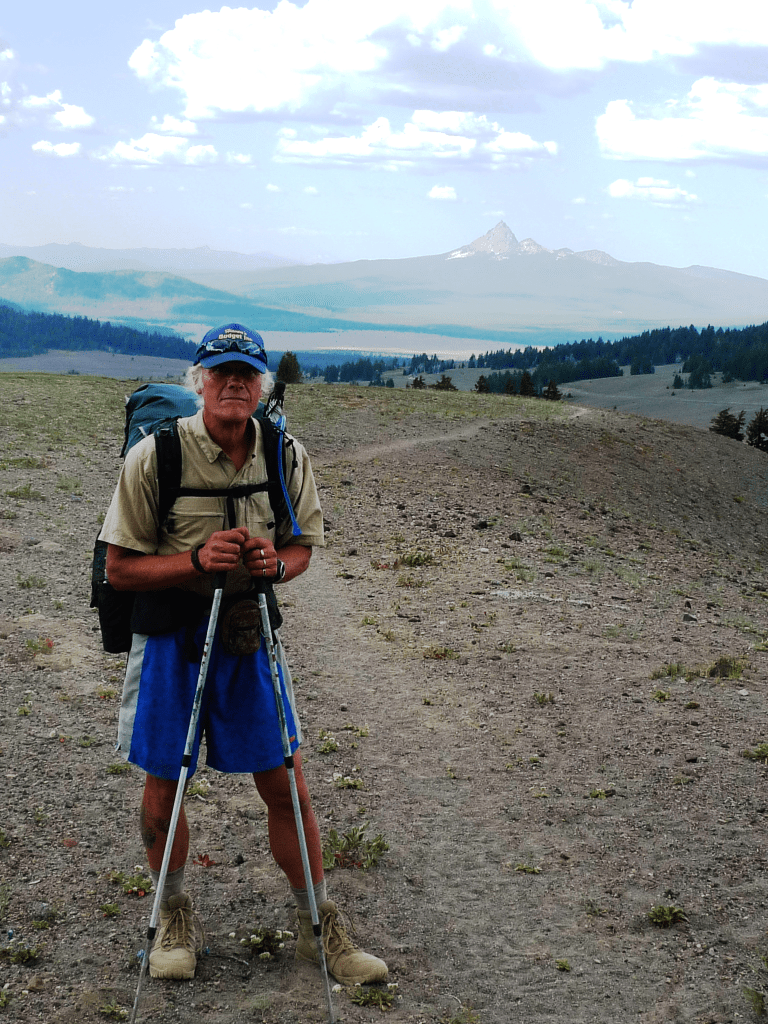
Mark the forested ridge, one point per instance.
(24, 333)
(739, 353)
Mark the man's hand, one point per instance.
(260, 557)
(223, 550)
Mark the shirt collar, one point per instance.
(208, 446)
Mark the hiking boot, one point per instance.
(179, 937)
(348, 964)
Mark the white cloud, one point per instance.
(273, 188)
(429, 137)
(152, 149)
(442, 192)
(118, 188)
(62, 115)
(445, 38)
(653, 190)
(242, 159)
(59, 149)
(174, 125)
(296, 59)
(716, 121)
(71, 116)
(246, 206)
(579, 201)
(310, 190)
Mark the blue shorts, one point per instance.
(238, 714)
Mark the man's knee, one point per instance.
(275, 789)
(159, 796)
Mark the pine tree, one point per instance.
(481, 385)
(757, 431)
(527, 387)
(289, 369)
(444, 384)
(418, 383)
(551, 392)
(728, 425)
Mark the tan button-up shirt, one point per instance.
(131, 520)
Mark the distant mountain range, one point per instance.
(170, 261)
(495, 288)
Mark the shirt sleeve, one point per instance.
(306, 503)
(131, 519)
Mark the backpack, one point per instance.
(155, 409)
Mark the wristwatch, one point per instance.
(280, 576)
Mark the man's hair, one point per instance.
(193, 379)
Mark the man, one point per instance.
(172, 564)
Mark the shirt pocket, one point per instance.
(191, 521)
(259, 518)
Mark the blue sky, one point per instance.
(340, 129)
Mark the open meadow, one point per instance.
(533, 659)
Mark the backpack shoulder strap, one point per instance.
(168, 449)
(274, 453)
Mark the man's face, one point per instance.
(231, 392)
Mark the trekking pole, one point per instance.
(218, 583)
(266, 629)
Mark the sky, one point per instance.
(336, 130)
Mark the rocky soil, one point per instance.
(539, 640)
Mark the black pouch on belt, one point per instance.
(240, 620)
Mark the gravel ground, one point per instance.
(541, 646)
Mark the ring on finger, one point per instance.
(263, 572)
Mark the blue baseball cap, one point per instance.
(232, 343)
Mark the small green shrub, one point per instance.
(17, 953)
(70, 484)
(358, 730)
(410, 582)
(113, 1011)
(756, 1000)
(665, 916)
(353, 849)
(137, 884)
(346, 781)
(673, 670)
(440, 654)
(329, 744)
(415, 559)
(200, 787)
(266, 943)
(30, 582)
(760, 753)
(726, 668)
(379, 997)
(25, 492)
